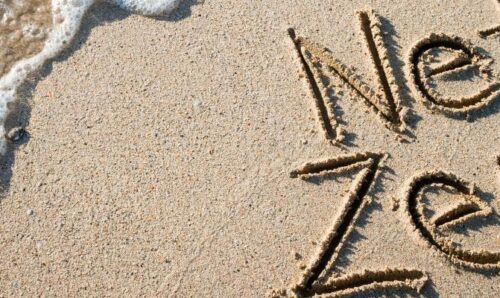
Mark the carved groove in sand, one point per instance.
(431, 231)
(493, 29)
(384, 101)
(466, 56)
(310, 283)
(489, 31)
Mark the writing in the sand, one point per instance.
(319, 277)
(385, 98)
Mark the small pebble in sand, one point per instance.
(16, 134)
(29, 211)
(395, 204)
(297, 256)
(197, 104)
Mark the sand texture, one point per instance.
(259, 149)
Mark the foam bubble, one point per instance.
(147, 7)
(66, 19)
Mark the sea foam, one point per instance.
(66, 20)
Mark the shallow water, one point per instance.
(24, 26)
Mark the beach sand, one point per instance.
(159, 150)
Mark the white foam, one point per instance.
(70, 12)
(147, 7)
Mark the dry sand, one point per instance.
(161, 155)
